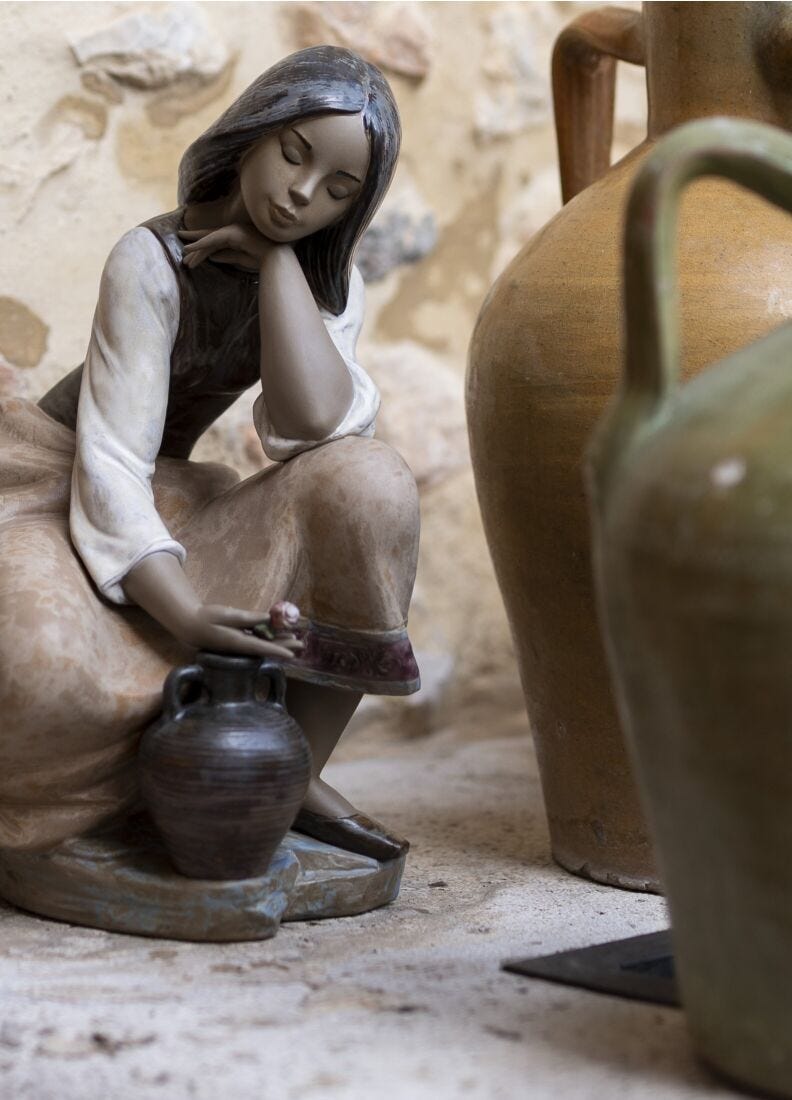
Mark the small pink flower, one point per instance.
(284, 616)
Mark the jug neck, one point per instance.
(718, 59)
(229, 679)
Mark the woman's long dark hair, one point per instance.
(311, 82)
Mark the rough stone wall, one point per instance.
(98, 102)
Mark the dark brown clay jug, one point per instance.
(544, 362)
(224, 773)
(691, 493)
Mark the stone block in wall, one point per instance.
(403, 232)
(396, 36)
(23, 335)
(423, 413)
(154, 47)
(515, 95)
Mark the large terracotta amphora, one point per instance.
(543, 363)
(692, 495)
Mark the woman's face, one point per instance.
(305, 176)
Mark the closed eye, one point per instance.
(291, 153)
(338, 191)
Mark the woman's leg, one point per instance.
(323, 713)
(334, 530)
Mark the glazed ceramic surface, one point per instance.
(544, 362)
(224, 774)
(692, 499)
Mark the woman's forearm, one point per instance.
(305, 381)
(160, 586)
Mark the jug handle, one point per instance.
(173, 705)
(277, 678)
(753, 154)
(584, 87)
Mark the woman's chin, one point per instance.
(284, 236)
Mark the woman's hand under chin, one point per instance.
(239, 244)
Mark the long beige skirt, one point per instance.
(334, 530)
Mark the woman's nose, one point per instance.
(300, 194)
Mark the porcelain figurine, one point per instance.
(543, 362)
(119, 556)
(691, 499)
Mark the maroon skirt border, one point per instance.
(374, 663)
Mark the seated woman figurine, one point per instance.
(118, 554)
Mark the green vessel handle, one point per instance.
(755, 155)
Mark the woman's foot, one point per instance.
(326, 815)
(325, 800)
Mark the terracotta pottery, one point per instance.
(224, 775)
(543, 363)
(692, 495)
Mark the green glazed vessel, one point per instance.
(691, 496)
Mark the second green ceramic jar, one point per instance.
(692, 498)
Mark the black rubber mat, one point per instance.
(641, 968)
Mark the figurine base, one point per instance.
(123, 881)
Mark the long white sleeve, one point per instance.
(362, 413)
(123, 400)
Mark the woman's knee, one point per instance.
(363, 478)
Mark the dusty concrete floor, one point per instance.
(406, 1003)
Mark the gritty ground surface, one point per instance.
(405, 1003)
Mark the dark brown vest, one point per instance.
(216, 355)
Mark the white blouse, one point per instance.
(124, 397)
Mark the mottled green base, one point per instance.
(123, 881)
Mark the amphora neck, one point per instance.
(718, 59)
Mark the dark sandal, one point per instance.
(356, 833)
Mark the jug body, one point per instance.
(224, 773)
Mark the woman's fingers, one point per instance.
(228, 640)
(234, 616)
(210, 242)
(195, 255)
(235, 621)
(242, 245)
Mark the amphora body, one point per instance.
(544, 361)
(692, 499)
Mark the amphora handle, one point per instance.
(584, 88)
(757, 156)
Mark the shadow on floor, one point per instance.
(501, 832)
(641, 1041)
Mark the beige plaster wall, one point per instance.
(89, 149)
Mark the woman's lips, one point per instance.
(282, 216)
